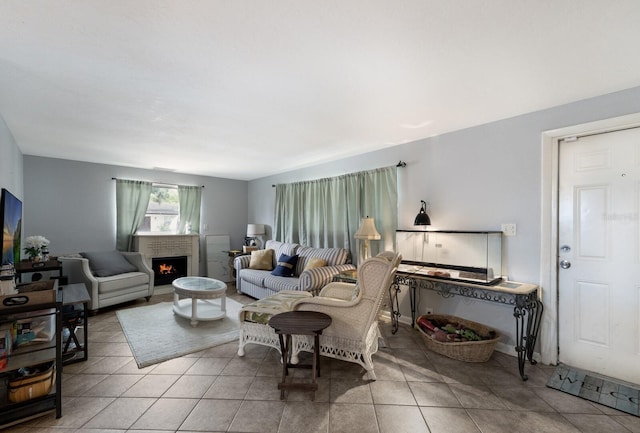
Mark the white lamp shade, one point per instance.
(255, 230)
(367, 230)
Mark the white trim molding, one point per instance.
(549, 222)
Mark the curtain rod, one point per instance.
(400, 164)
(164, 183)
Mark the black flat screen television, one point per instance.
(11, 217)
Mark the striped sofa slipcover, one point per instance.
(260, 284)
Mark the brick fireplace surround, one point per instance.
(171, 246)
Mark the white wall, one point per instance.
(10, 162)
(474, 179)
(72, 203)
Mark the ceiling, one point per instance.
(244, 89)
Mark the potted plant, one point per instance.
(35, 246)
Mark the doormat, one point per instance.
(598, 389)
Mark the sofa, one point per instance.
(111, 277)
(314, 268)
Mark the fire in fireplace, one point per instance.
(167, 269)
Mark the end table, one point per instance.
(32, 267)
(75, 305)
(232, 256)
(299, 323)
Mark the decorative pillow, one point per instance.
(315, 262)
(261, 259)
(107, 263)
(286, 266)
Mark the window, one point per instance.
(152, 208)
(163, 211)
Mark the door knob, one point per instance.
(565, 264)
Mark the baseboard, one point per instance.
(402, 319)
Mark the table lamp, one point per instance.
(367, 232)
(255, 232)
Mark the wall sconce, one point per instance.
(366, 232)
(422, 219)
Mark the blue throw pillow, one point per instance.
(286, 266)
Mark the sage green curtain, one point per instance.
(326, 212)
(379, 200)
(190, 198)
(132, 201)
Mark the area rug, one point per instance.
(598, 389)
(155, 334)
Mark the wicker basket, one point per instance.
(468, 351)
(32, 386)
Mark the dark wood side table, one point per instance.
(299, 323)
(32, 267)
(75, 305)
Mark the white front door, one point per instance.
(599, 254)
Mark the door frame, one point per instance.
(549, 343)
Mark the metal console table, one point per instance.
(527, 307)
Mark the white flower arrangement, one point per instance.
(35, 245)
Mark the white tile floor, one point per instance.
(216, 391)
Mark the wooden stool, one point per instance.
(299, 323)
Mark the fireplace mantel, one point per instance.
(152, 245)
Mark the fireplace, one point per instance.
(163, 246)
(167, 269)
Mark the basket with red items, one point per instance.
(457, 338)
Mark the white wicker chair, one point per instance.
(255, 316)
(353, 334)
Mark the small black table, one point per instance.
(73, 315)
(299, 323)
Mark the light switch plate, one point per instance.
(509, 229)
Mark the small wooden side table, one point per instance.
(299, 323)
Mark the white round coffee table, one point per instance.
(199, 293)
